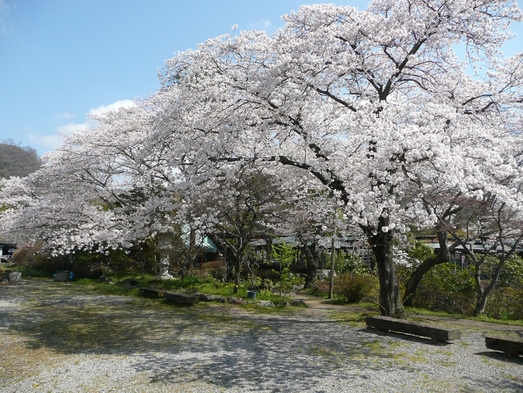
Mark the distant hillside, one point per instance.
(17, 161)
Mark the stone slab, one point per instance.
(511, 346)
(437, 334)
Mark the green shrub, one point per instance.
(350, 263)
(87, 264)
(285, 255)
(216, 269)
(319, 288)
(29, 271)
(351, 288)
(187, 282)
(506, 304)
(354, 287)
(447, 288)
(512, 273)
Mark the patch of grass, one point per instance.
(499, 321)
(336, 301)
(28, 271)
(371, 306)
(219, 289)
(5, 266)
(268, 295)
(407, 358)
(352, 318)
(324, 352)
(446, 363)
(190, 284)
(393, 344)
(108, 288)
(425, 312)
(374, 345)
(513, 378)
(18, 360)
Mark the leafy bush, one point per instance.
(506, 304)
(447, 288)
(216, 269)
(319, 288)
(28, 271)
(350, 263)
(512, 273)
(354, 287)
(285, 255)
(419, 251)
(351, 288)
(41, 262)
(87, 264)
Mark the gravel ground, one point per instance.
(56, 337)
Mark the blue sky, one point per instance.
(62, 59)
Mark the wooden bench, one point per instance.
(181, 298)
(511, 346)
(436, 334)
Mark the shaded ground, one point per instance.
(61, 338)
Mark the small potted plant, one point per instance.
(254, 282)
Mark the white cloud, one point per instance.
(54, 141)
(262, 24)
(74, 127)
(65, 115)
(112, 107)
(49, 141)
(4, 18)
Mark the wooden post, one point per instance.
(331, 277)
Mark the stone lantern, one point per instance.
(164, 248)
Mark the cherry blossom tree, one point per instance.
(489, 232)
(377, 107)
(375, 104)
(236, 208)
(92, 192)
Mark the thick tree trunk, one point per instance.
(226, 251)
(442, 257)
(390, 299)
(481, 304)
(310, 256)
(236, 274)
(193, 250)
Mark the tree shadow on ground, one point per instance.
(76, 320)
(222, 346)
(496, 355)
(275, 355)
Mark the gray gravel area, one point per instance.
(56, 337)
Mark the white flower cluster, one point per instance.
(364, 114)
